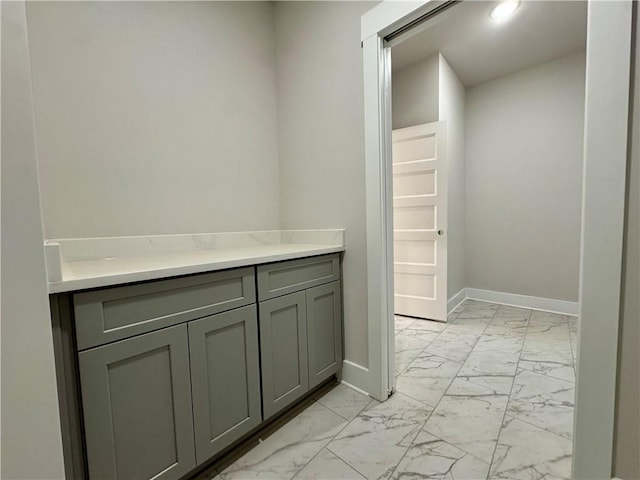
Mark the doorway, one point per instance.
(609, 55)
(511, 138)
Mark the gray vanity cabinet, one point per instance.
(324, 325)
(174, 371)
(136, 398)
(225, 378)
(283, 341)
(300, 327)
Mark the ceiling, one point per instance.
(480, 49)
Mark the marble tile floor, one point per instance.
(488, 395)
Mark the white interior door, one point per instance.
(420, 221)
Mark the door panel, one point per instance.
(417, 214)
(225, 378)
(137, 407)
(413, 143)
(415, 250)
(420, 221)
(415, 183)
(416, 284)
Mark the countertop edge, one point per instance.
(67, 286)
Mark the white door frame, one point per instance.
(605, 153)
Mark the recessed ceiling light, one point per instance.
(503, 10)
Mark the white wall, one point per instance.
(321, 138)
(158, 128)
(414, 93)
(155, 117)
(451, 109)
(524, 146)
(31, 441)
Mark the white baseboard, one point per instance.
(562, 307)
(456, 300)
(355, 376)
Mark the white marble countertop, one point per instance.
(78, 264)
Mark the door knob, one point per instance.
(440, 232)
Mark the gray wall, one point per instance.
(31, 443)
(524, 148)
(627, 428)
(321, 138)
(451, 108)
(155, 117)
(414, 94)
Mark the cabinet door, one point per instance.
(225, 378)
(283, 341)
(136, 397)
(324, 323)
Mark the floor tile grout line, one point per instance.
(404, 369)
(318, 453)
(538, 427)
(445, 390)
(311, 459)
(474, 346)
(342, 459)
(411, 444)
(440, 399)
(326, 445)
(546, 375)
(422, 402)
(458, 376)
(344, 418)
(457, 446)
(345, 462)
(415, 319)
(433, 355)
(440, 333)
(452, 380)
(483, 331)
(572, 363)
(347, 422)
(467, 356)
(504, 415)
(447, 359)
(430, 413)
(398, 373)
(419, 430)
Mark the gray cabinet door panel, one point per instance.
(110, 314)
(283, 341)
(324, 322)
(277, 279)
(137, 407)
(225, 376)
